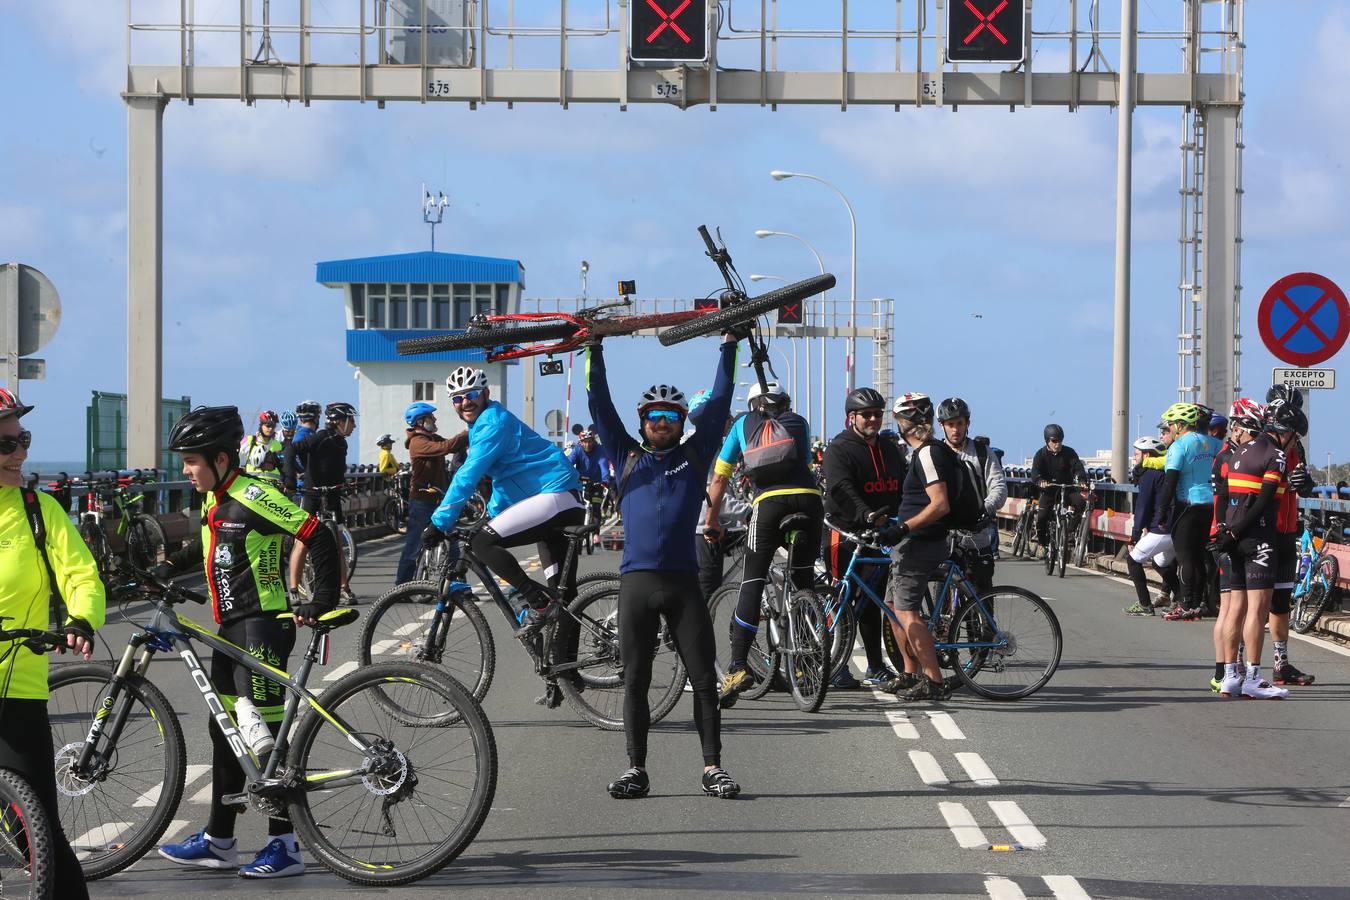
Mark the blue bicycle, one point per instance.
(1005, 645)
(1318, 572)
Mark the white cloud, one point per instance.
(267, 140)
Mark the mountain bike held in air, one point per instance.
(387, 776)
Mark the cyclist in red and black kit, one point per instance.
(323, 458)
(1285, 423)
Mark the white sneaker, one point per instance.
(1231, 685)
(1255, 689)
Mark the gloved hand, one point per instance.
(431, 536)
(895, 533)
(1224, 540)
(877, 517)
(79, 637)
(741, 330)
(1300, 479)
(312, 610)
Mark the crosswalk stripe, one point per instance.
(1000, 888)
(1065, 887)
(963, 826)
(410, 628)
(151, 797)
(345, 668)
(946, 726)
(1017, 823)
(384, 646)
(202, 796)
(904, 729)
(930, 772)
(977, 769)
(99, 836)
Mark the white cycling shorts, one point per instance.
(533, 511)
(1157, 547)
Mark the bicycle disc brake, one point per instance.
(67, 782)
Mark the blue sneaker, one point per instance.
(199, 851)
(878, 677)
(274, 861)
(845, 681)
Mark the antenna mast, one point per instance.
(433, 210)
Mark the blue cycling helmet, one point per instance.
(287, 421)
(417, 411)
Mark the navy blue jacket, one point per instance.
(661, 501)
(1146, 508)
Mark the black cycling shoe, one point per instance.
(717, 783)
(631, 785)
(537, 614)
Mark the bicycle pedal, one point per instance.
(240, 800)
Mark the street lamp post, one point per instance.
(824, 343)
(851, 372)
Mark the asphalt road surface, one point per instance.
(1124, 777)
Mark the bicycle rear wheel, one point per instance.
(1026, 638)
(425, 793)
(145, 542)
(844, 633)
(1019, 544)
(762, 660)
(1309, 605)
(747, 309)
(497, 334)
(394, 518)
(1062, 548)
(114, 813)
(806, 662)
(27, 859)
(398, 628)
(1080, 545)
(347, 544)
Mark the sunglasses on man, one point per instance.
(466, 397)
(10, 443)
(667, 415)
(869, 413)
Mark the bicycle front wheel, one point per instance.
(747, 309)
(347, 544)
(116, 810)
(393, 516)
(27, 863)
(407, 807)
(1008, 645)
(1309, 605)
(762, 660)
(399, 627)
(806, 662)
(843, 626)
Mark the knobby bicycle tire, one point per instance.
(26, 850)
(469, 654)
(121, 842)
(1009, 606)
(1309, 605)
(747, 309)
(761, 660)
(807, 670)
(145, 542)
(844, 633)
(487, 338)
(466, 718)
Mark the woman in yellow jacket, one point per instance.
(25, 592)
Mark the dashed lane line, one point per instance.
(930, 772)
(977, 769)
(344, 669)
(963, 826)
(151, 797)
(1065, 887)
(946, 726)
(903, 727)
(999, 888)
(1017, 823)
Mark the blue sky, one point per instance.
(1006, 215)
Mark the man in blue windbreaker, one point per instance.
(535, 494)
(661, 489)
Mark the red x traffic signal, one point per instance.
(668, 30)
(985, 30)
(790, 313)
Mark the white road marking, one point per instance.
(99, 836)
(1066, 887)
(1345, 804)
(963, 826)
(929, 771)
(410, 628)
(151, 797)
(975, 767)
(946, 726)
(344, 669)
(384, 646)
(904, 728)
(202, 796)
(1017, 823)
(1003, 889)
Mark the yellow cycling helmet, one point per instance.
(1185, 413)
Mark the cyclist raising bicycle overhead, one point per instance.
(27, 592)
(775, 444)
(535, 494)
(322, 456)
(243, 523)
(660, 492)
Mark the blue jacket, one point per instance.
(594, 466)
(661, 501)
(1147, 506)
(520, 463)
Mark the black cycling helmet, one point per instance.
(310, 409)
(1206, 416)
(206, 429)
(12, 406)
(952, 408)
(1053, 433)
(1283, 418)
(339, 411)
(864, 398)
(1283, 393)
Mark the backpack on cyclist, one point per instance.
(966, 492)
(771, 452)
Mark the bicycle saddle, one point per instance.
(580, 531)
(793, 522)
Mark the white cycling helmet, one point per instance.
(466, 378)
(1150, 444)
(663, 395)
(771, 393)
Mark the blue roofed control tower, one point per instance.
(404, 295)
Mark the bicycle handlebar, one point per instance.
(35, 639)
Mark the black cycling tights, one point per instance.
(644, 597)
(1190, 533)
(762, 544)
(538, 520)
(26, 748)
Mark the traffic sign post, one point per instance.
(29, 319)
(1305, 379)
(1304, 319)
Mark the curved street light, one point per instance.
(824, 343)
(780, 175)
(791, 366)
